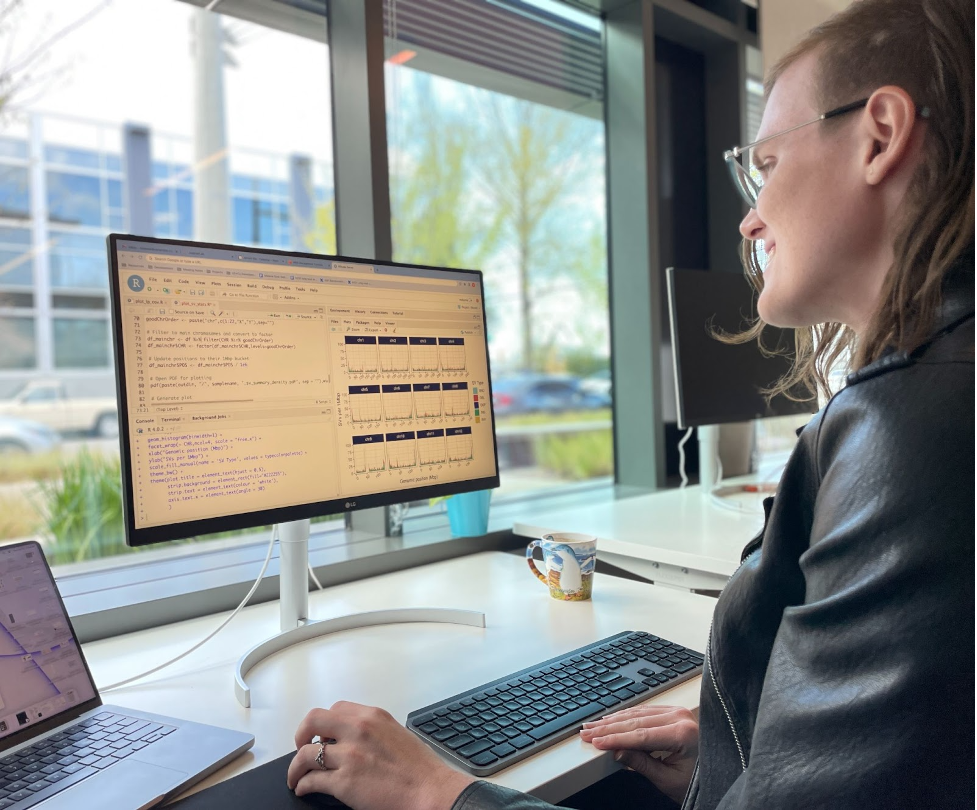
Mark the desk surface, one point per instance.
(400, 668)
(677, 527)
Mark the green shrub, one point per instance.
(83, 510)
(577, 456)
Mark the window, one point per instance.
(65, 156)
(16, 257)
(81, 343)
(17, 339)
(496, 153)
(77, 260)
(14, 192)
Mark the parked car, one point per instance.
(598, 383)
(23, 436)
(47, 402)
(543, 393)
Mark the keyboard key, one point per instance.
(504, 749)
(499, 738)
(443, 734)
(683, 666)
(474, 748)
(566, 721)
(458, 741)
(483, 759)
(428, 728)
(522, 741)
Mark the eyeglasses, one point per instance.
(747, 179)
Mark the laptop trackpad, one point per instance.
(128, 784)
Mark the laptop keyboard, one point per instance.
(54, 763)
(499, 723)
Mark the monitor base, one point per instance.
(294, 605)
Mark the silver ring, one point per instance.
(319, 755)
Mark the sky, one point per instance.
(132, 62)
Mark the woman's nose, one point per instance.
(752, 226)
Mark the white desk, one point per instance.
(401, 667)
(675, 537)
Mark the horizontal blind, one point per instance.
(506, 36)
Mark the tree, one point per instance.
(538, 166)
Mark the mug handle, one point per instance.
(532, 562)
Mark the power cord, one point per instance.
(681, 458)
(199, 644)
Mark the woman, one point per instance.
(840, 665)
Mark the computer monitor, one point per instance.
(261, 386)
(717, 382)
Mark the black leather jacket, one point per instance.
(840, 669)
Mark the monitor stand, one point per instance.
(708, 437)
(297, 627)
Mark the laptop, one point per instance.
(60, 747)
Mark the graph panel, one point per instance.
(368, 454)
(397, 403)
(459, 444)
(394, 354)
(361, 353)
(364, 403)
(451, 354)
(456, 399)
(431, 447)
(401, 451)
(427, 400)
(424, 354)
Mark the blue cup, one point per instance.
(468, 513)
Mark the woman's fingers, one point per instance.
(639, 711)
(316, 782)
(302, 763)
(326, 723)
(621, 722)
(640, 739)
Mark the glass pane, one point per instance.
(17, 340)
(487, 180)
(276, 109)
(74, 199)
(14, 192)
(81, 343)
(16, 268)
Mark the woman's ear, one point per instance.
(887, 126)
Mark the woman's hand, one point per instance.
(374, 764)
(659, 742)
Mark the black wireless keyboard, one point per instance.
(497, 724)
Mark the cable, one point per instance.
(681, 458)
(315, 579)
(199, 644)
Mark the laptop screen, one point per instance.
(42, 672)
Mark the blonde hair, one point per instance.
(926, 47)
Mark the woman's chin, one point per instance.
(773, 312)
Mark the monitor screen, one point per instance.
(717, 382)
(258, 386)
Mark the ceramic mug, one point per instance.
(569, 560)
